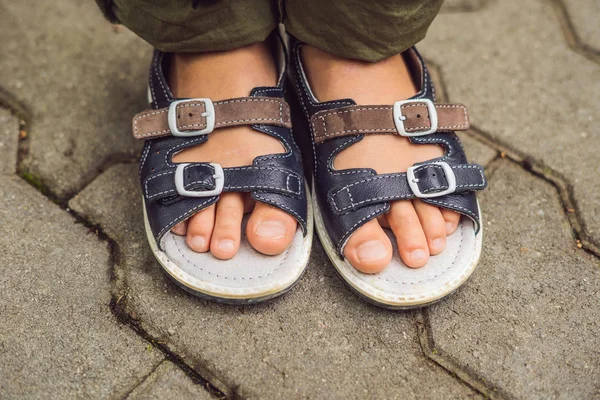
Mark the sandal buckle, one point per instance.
(413, 182)
(218, 176)
(208, 114)
(399, 118)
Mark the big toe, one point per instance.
(369, 249)
(269, 229)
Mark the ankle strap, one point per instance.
(194, 117)
(406, 118)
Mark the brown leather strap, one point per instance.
(354, 120)
(231, 112)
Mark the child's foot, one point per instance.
(420, 228)
(220, 76)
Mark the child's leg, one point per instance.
(353, 52)
(218, 53)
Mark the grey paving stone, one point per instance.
(168, 382)
(58, 338)
(529, 321)
(476, 151)
(584, 17)
(463, 5)
(510, 64)
(81, 80)
(9, 140)
(318, 341)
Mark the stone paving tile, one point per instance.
(510, 64)
(529, 321)
(58, 338)
(81, 80)
(584, 16)
(463, 5)
(476, 151)
(9, 131)
(168, 382)
(318, 341)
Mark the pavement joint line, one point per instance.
(141, 381)
(447, 362)
(527, 162)
(9, 102)
(14, 105)
(556, 179)
(451, 365)
(570, 33)
(118, 307)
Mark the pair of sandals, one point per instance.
(342, 200)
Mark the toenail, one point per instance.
(226, 245)
(198, 242)
(271, 229)
(438, 243)
(449, 227)
(371, 251)
(418, 255)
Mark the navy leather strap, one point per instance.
(200, 177)
(430, 178)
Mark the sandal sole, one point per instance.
(231, 295)
(408, 302)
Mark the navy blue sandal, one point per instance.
(174, 192)
(344, 200)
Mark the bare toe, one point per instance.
(180, 229)
(199, 230)
(369, 249)
(225, 240)
(451, 218)
(412, 243)
(433, 225)
(269, 229)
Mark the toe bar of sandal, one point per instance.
(210, 179)
(428, 180)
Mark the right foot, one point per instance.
(218, 76)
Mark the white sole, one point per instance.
(249, 277)
(401, 287)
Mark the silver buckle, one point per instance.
(209, 114)
(413, 182)
(399, 118)
(219, 177)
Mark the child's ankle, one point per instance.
(222, 74)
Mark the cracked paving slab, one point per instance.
(168, 382)
(584, 16)
(82, 81)
(524, 86)
(528, 322)
(317, 341)
(9, 141)
(58, 337)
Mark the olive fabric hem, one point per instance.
(356, 29)
(362, 30)
(187, 26)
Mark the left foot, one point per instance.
(420, 228)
